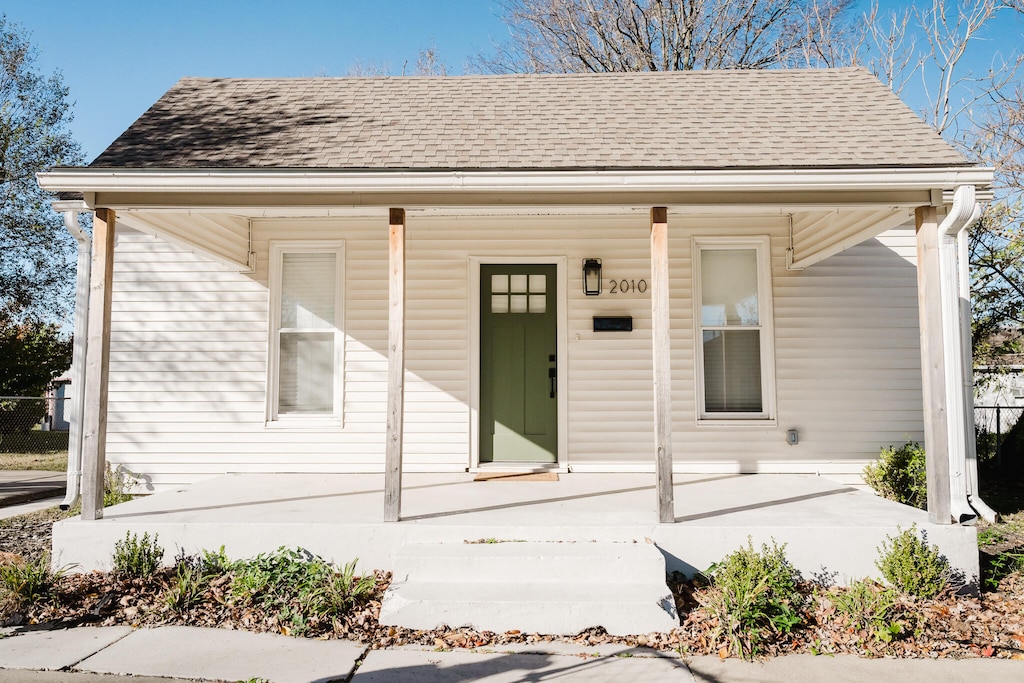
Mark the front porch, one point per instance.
(829, 528)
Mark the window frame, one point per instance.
(275, 282)
(766, 318)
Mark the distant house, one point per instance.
(57, 405)
(714, 272)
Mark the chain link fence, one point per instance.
(33, 430)
(992, 424)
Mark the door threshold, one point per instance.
(519, 467)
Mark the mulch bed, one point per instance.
(990, 625)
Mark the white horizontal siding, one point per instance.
(189, 350)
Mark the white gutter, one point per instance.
(967, 365)
(81, 339)
(91, 180)
(964, 212)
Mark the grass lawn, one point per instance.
(34, 450)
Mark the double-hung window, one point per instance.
(306, 338)
(735, 350)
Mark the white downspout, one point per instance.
(967, 365)
(81, 341)
(964, 212)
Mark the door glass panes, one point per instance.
(519, 293)
(728, 287)
(499, 303)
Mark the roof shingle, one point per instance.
(677, 120)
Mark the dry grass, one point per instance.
(53, 461)
(34, 450)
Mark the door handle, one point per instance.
(552, 375)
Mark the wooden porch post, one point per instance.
(97, 365)
(662, 363)
(933, 369)
(396, 366)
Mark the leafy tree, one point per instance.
(36, 270)
(32, 354)
(556, 36)
(982, 114)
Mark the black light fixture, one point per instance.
(592, 276)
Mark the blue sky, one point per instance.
(119, 56)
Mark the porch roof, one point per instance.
(840, 118)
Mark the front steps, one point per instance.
(535, 587)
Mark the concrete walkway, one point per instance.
(23, 486)
(175, 653)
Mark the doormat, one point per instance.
(516, 476)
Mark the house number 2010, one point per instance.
(628, 286)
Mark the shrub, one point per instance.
(899, 474)
(117, 484)
(869, 606)
(27, 581)
(911, 566)
(753, 595)
(136, 557)
(302, 588)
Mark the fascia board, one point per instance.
(269, 181)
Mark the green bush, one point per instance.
(136, 557)
(911, 566)
(754, 596)
(117, 484)
(302, 588)
(27, 582)
(869, 606)
(899, 474)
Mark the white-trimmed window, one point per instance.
(734, 337)
(306, 338)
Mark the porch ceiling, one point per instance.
(223, 234)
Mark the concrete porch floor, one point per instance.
(829, 528)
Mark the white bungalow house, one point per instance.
(647, 276)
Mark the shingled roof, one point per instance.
(680, 120)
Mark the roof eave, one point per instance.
(269, 181)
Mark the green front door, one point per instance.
(518, 364)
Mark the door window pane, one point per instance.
(518, 284)
(538, 303)
(499, 284)
(538, 284)
(518, 304)
(499, 303)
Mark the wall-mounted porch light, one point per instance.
(592, 276)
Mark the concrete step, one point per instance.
(508, 561)
(553, 588)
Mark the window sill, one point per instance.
(745, 423)
(305, 424)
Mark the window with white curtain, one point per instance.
(735, 361)
(306, 331)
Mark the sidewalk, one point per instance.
(185, 653)
(23, 486)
